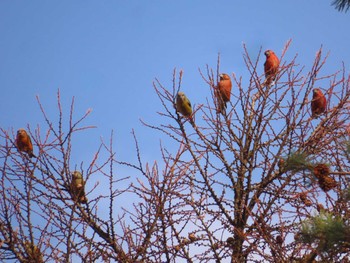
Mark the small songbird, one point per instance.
(77, 187)
(24, 143)
(33, 253)
(271, 67)
(183, 104)
(224, 92)
(318, 103)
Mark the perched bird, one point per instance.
(223, 92)
(192, 237)
(77, 187)
(271, 67)
(24, 143)
(318, 103)
(183, 104)
(33, 253)
(230, 241)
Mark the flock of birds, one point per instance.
(222, 91)
(183, 106)
(76, 187)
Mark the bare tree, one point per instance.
(39, 211)
(238, 188)
(243, 204)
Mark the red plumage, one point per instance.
(223, 92)
(24, 143)
(270, 66)
(318, 103)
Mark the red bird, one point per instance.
(224, 92)
(24, 143)
(271, 66)
(318, 103)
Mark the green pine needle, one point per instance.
(326, 231)
(297, 162)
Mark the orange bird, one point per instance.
(224, 92)
(270, 66)
(24, 143)
(318, 103)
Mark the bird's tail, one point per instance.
(221, 106)
(31, 154)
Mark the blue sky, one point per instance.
(107, 54)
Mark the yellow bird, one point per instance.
(183, 104)
(77, 188)
(33, 253)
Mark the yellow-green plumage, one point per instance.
(33, 253)
(77, 187)
(183, 104)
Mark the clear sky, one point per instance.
(107, 54)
